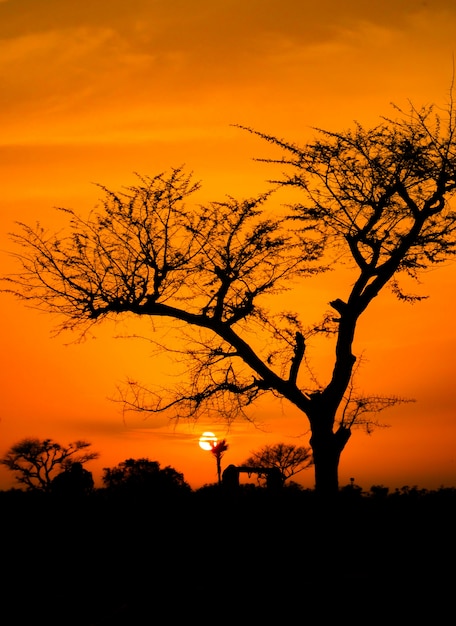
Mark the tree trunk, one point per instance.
(327, 447)
(219, 469)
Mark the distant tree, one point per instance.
(144, 477)
(374, 202)
(379, 491)
(74, 481)
(35, 462)
(218, 449)
(352, 490)
(289, 459)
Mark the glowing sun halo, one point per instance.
(207, 441)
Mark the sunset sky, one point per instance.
(94, 91)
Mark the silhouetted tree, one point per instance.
(75, 481)
(289, 459)
(36, 462)
(144, 478)
(374, 200)
(218, 449)
(377, 199)
(379, 491)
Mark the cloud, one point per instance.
(79, 71)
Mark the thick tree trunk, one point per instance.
(327, 447)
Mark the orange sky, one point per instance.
(95, 91)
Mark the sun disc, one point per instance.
(207, 441)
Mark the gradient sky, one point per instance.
(92, 92)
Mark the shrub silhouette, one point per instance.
(144, 478)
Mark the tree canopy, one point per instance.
(143, 477)
(289, 459)
(36, 462)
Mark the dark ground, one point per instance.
(256, 558)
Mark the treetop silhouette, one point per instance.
(134, 477)
(287, 458)
(36, 463)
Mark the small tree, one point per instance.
(289, 459)
(142, 477)
(218, 449)
(36, 462)
(75, 481)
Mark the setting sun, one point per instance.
(207, 441)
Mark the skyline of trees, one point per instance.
(140, 476)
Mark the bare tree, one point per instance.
(378, 199)
(36, 462)
(373, 199)
(289, 459)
